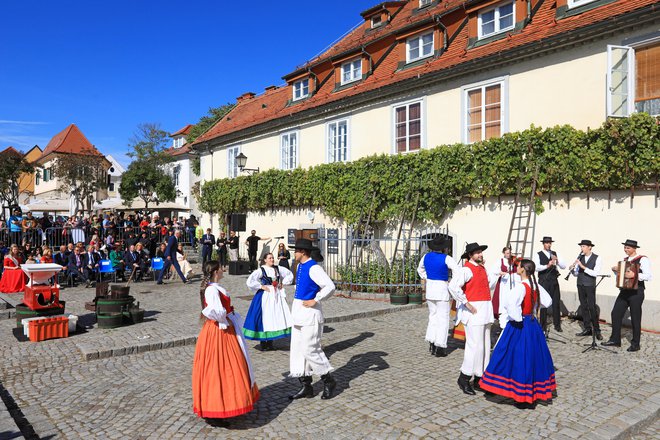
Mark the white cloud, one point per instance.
(8, 122)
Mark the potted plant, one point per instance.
(398, 297)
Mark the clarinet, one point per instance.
(570, 269)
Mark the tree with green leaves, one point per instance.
(205, 123)
(12, 166)
(148, 176)
(82, 176)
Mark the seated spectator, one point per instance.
(117, 260)
(76, 266)
(143, 258)
(133, 263)
(91, 262)
(46, 256)
(62, 257)
(181, 256)
(13, 279)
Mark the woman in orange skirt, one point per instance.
(222, 381)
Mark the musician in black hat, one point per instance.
(434, 267)
(547, 262)
(306, 355)
(586, 268)
(639, 268)
(470, 286)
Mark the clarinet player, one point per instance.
(547, 262)
(586, 268)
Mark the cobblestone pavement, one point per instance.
(388, 385)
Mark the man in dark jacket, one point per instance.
(170, 258)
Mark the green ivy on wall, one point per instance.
(621, 154)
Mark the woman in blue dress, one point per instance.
(269, 316)
(521, 365)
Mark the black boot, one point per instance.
(476, 386)
(263, 345)
(329, 385)
(440, 352)
(432, 348)
(464, 384)
(269, 345)
(306, 390)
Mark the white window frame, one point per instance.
(419, 38)
(232, 167)
(376, 21)
(356, 74)
(577, 3)
(286, 157)
(330, 146)
(422, 128)
(497, 30)
(424, 3)
(299, 87)
(504, 106)
(176, 175)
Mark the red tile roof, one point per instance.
(178, 151)
(184, 131)
(11, 150)
(274, 104)
(70, 141)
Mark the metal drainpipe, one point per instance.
(371, 60)
(445, 33)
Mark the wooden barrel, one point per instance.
(110, 320)
(112, 305)
(119, 291)
(23, 311)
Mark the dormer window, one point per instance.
(498, 19)
(351, 71)
(376, 21)
(576, 3)
(301, 89)
(178, 142)
(419, 46)
(424, 3)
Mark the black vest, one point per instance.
(544, 260)
(583, 279)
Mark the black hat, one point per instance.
(473, 247)
(303, 243)
(586, 243)
(631, 243)
(438, 243)
(547, 240)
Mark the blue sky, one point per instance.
(108, 66)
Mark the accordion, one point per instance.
(627, 283)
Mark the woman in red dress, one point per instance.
(13, 278)
(222, 380)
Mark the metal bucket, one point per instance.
(119, 291)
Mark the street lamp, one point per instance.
(241, 160)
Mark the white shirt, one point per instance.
(437, 290)
(513, 305)
(254, 280)
(540, 267)
(484, 313)
(592, 272)
(313, 315)
(214, 309)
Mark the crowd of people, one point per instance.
(79, 244)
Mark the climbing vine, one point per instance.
(621, 154)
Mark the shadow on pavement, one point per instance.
(347, 343)
(357, 366)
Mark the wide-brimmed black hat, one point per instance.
(547, 240)
(586, 243)
(438, 243)
(473, 247)
(316, 255)
(631, 243)
(303, 243)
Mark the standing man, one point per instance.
(434, 267)
(586, 268)
(640, 270)
(546, 262)
(208, 240)
(470, 287)
(252, 243)
(233, 246)
(170, 258)
(222, 250)
(306, 355)
(16, 227)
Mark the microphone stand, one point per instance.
(594, 346)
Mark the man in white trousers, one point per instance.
(306, 356)
(470, 287)
(434, 267)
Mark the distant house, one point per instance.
(26, 180)
(48, 192)
(114, 177)
(181, 169)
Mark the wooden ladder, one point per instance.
(523, 222)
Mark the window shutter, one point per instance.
(620, 83)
